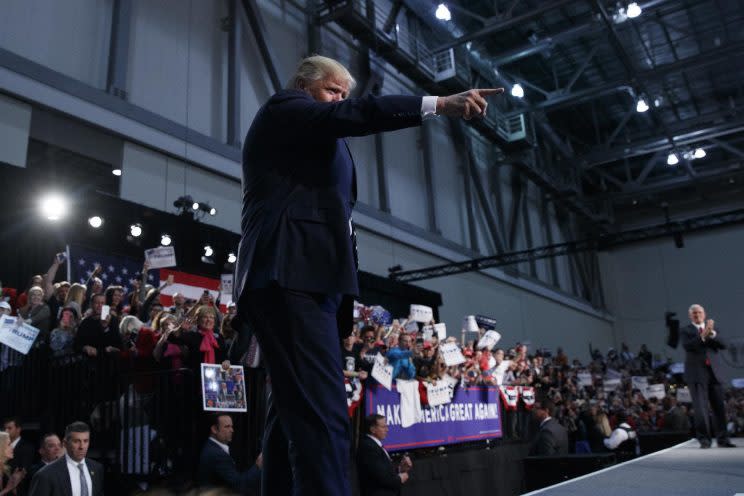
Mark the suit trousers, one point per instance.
(306, 439)
(707, 396)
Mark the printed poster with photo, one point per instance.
(223, 390)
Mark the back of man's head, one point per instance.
(370, 422)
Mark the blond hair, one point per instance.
(318, 67)
(4, 442)
(76, 294)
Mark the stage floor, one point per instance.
(684, 469)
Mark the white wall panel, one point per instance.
(71, 37)
(449, 187)
(15, 122)
(405, 175)
(365, 160)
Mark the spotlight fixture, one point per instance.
(208, 251)
(641, 106)
(195, 206)
(699, 153)
(231, 258)
(517, 91)
(633, 10)
(166, 240)
(95, 221)
(135, 230)
(443, 13)
(189, 207)
(212, 211)
(53, 206)
(672, 159)
(116, 172)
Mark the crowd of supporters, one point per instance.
(91, 322)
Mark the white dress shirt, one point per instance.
(15, 443)
(223, 446)
(544, 421)
(701, 328)
(72, 468)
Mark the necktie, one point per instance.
(707, 360)
(83, 483)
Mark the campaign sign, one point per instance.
(17, 335)
(223, 390)
(473, 414)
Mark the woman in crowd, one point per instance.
(8, 481)
(62, 338)
(205, 346)
(36, 313)
(76, 294)
(227, 332)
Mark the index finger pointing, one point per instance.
(490, 91)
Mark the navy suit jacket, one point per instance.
(697, 351)
(299, 187)
(54, 479)
(217, 469)
(377, 475)
(552, 439)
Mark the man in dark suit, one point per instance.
(73, 474)
(377, 474)
(23, 450)
(296, 273)
(552, 438)
(703, 376)
(50, 450)
(217, 467)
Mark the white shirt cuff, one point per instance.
(428, 106)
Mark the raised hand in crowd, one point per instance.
(90, 351)
(14, 481)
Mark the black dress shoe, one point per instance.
(726, 444)
(704, 444)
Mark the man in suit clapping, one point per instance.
(378, 476)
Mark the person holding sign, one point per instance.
(296, 273)
(703, 376)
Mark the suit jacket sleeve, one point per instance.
(545, 444)
(352, 117)
(42, 484)
(375, 470)
(692, 342)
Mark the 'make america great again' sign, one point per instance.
(473, 414)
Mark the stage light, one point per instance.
(135, 230)
(95, 222)
(212, 211)
(165, 240)
(641, 106)
(195, 206)
(116, 172)
(634, 10)
(699, 153)
(517, 90)
(53, 206)
(208, 251)
(231, 258)
(672, 159)
(443, 13)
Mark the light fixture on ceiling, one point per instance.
(641, 106)
(95, 222)
(633, 10)
(672, 159)
(517, 91)
(166, 240)
(135, 230)
(231, 258)
(208, 251)
(699, 153)
(443, 13)
(53, 206)
(116, 172)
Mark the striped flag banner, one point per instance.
(190, 286)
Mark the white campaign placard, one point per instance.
(677, 368)
(438, 394)
(611, 385)
(451, 354)
(15, 335)
(382, 372)
(161, 257)
(489, 340)
(613, 374)
(411, 326)
(422, 313)
(683, 395)
(428, 332)
(639, 382)
(469, 324)
(738, 383)
(441, 330)
(226, 281)
(585, 379)
(451, 382)
(655, 391)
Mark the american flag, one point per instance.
(117, 270)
